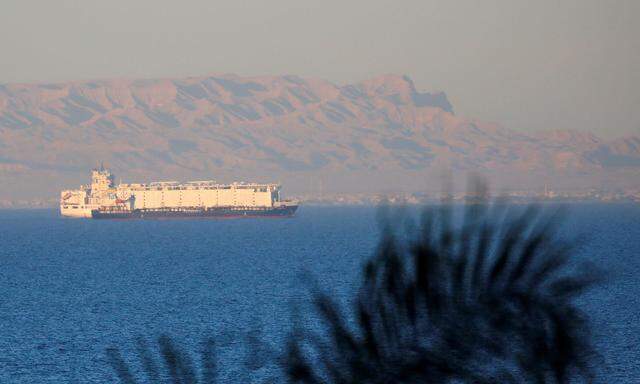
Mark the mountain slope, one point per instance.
(358, 136)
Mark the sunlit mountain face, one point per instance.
(373, 135)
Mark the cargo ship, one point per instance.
(103, 199)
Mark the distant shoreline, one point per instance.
(329, 204)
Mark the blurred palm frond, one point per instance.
(482, 296)
(175, 367)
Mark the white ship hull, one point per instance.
(77, 211)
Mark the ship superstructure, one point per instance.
(104, 199)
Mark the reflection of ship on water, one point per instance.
(103, 199)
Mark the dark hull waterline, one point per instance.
(168, 213)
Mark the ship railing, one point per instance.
(185, 186)
(160, 183)
(201, 182)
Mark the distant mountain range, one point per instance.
(380, 134)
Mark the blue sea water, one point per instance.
(72, 288)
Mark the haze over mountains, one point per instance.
(378, 135)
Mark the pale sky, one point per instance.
(527, 65)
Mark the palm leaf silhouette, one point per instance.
(175, 367)
(484, 299)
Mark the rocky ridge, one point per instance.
(310, 133)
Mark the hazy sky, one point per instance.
(525, 64)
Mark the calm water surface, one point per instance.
(71, 288)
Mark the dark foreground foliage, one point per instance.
(485, 298)
(174, 365)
